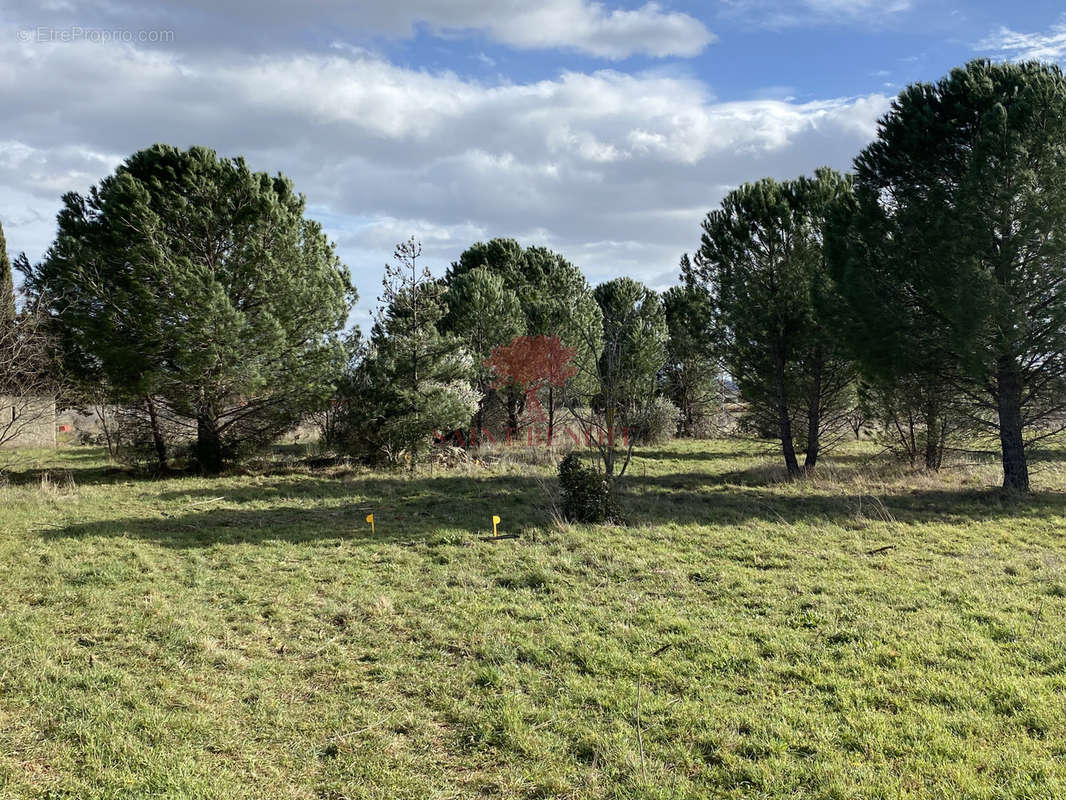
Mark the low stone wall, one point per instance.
(32, 420)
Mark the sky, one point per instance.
(604, 130)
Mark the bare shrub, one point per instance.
(29, 378)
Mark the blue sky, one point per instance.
(603, 130)
(772, 49)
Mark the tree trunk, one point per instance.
(551, 414)
(515, 406)
(105, 426)
(1009, 400)
(157, 433)
(814, 414)
(512, 416)
(608, 453)
(479, 415)
(784, 421)
(942, 439)
(934, 450)
(912, 442)
(688, 415)
(208, 445)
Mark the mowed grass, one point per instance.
(865, 634)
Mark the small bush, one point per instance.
(586, 496)
(659, 423)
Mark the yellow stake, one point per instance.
(370, 519)
(495, 522)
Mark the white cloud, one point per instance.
(1050, 46)
(614, 170)
(801, 13)
(857, 8)
(586, 26)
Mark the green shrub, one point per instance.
(586, 495)
(658, 423)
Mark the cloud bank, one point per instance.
(586, 27)
(613, 169)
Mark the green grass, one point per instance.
(247, 637)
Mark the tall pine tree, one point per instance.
(762, 260)
(485, 314)
(191, 284)
(962, 206)
(555, 300)
(691, 375)
(623, 384)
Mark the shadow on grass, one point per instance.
(1045, 453)
(406, 510)
(79, 454)
(84, 466)
(451, 508)
(71, 464)
(696, 498)
(765, 465)
(751, 451)
(80, 476)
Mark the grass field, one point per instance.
(866, 634)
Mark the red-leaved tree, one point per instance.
(530, 363)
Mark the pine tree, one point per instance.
(622, 384)
(913, 400)
(555, 300)
(415, 381)
(485, 314)
(195, 287)
(762, 260)
(962, 206)
(691, 375)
